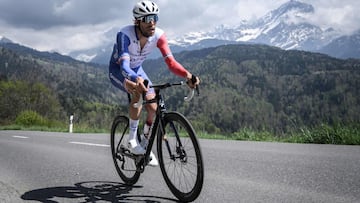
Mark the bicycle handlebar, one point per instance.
(164, 86)
(190, 95)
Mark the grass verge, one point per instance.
(323, 134)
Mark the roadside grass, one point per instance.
(322, 134)
(78, 129)
(329, 134)
(33, 128)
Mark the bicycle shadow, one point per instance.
(92, 191)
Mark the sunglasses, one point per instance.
(149, 18)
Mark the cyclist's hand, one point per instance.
(193, 81)
(140, 87)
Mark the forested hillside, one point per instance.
(243, 86)
(74, 87)
(266, 88)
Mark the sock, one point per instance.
(133, 129)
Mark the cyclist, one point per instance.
(133, 44)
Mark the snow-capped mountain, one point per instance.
(344, 46)
(4, 40)
(287, 27)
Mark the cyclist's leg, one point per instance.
(150, 108)
(119, 81)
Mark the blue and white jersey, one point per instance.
(128, 46)
(127, 56)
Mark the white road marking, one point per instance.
(22, 137)
(90, 144)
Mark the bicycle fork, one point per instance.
(180, 152)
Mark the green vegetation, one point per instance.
(30, 118)
(266, 89)
(26, 102)
(323, 134)
(326, 134)
(248, 92)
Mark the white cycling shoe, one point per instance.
(153, 160)
(135, 147)
(144, 143)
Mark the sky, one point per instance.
(72, 25)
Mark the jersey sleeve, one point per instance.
(123, 43)
(172, 64)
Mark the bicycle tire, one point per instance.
(178, 181)
(125, 166)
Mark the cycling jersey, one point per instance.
(128, 50)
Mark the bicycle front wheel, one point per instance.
(180, 157)
(124, 164)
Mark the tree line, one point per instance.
(265, 88)
(243, 86)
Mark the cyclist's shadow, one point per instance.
(92, 191)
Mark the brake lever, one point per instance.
(197, 90)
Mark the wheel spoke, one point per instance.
(124, 164)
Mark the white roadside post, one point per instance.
(71, 123)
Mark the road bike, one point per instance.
(178, 149)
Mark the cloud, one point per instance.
(61, 25)
(342, 15)
(44, 14)
(65, 25)
(63, 39)
(25, 14)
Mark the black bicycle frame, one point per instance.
(158, 125)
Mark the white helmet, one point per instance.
(144, 8)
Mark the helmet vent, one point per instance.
(145, 8)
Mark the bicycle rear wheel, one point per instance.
(124, 164)
(180, 157)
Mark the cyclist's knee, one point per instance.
(151, 108)
(135, 98)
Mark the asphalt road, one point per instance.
(63, 167)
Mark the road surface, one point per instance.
(63, 167)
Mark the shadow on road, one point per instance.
(92, 191)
